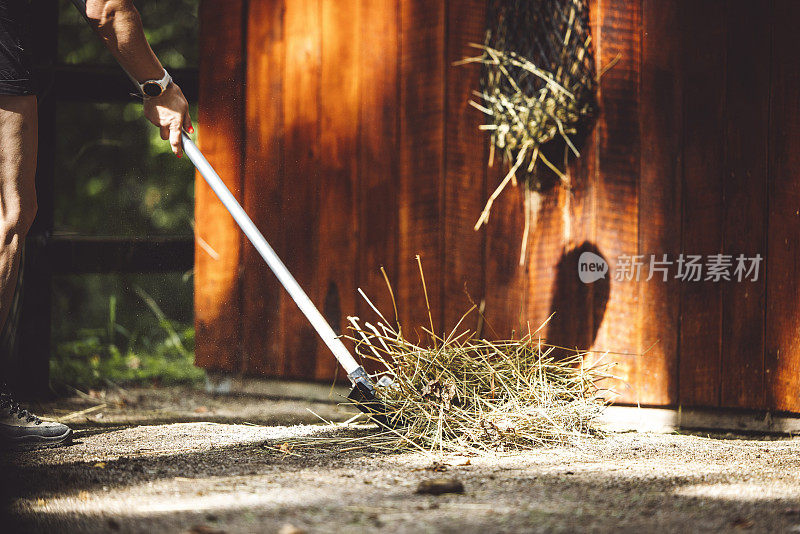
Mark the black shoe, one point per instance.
(20, 428)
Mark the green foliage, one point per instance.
(91, 360)
(151, 349)
(116, 176)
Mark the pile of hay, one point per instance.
(462, 394)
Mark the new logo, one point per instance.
(591, 267)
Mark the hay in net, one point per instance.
(460, 393)
(537, 85)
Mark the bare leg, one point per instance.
(18, 142)
(18, 145)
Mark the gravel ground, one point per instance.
(190, 475)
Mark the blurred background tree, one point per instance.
(116, 177)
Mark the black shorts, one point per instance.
(16, 76)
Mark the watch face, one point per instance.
(151, 89)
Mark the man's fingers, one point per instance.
(164, 132)
(175, 141)
(187, 123)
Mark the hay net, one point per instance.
(537, 85)
(538, 78)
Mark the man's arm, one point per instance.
(117, 22)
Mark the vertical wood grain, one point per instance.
(783, 283)
(378, 161)
(219, 126)
(262, 332)
(566, 228)
(302, 181)
(506, 284)
(338, 227)
(465, 176)
(578, 307)
(661, 130)
(584, 174)
(545, 247)
(747, 123)
(421, 201)
(703, 173)
(618, 187)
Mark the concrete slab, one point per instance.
(230, 476)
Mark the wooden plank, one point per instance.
(783, 284)
(465, 167)
(421, 195)
(544, 250)
(378, 159)
(579, 307)
(554, 293)
(219, 126)
(747, 126)
(338, 149)
(262, 332)
(301, 179)
(506, 284)
(617, 192)
(703, 173)
(661, 130)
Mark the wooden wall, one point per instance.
(344, 128)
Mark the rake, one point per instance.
(363, 393)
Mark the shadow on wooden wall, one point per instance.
(577, 307)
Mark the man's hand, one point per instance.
(170, 112)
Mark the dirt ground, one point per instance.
(180, 460)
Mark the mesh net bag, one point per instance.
(538, 85)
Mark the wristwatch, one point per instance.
(153, 88)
